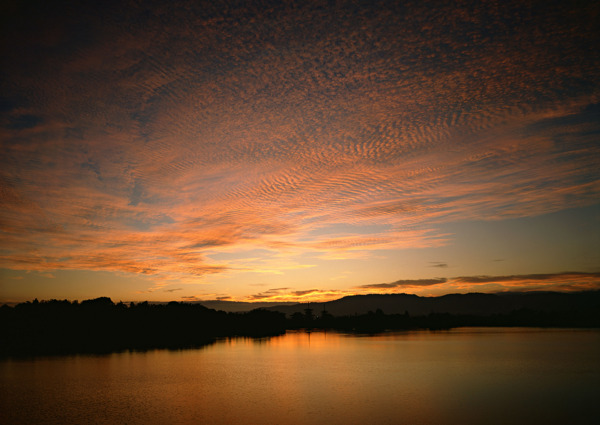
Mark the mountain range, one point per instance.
(473, 304)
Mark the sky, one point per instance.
(298, 150)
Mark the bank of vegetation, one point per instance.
(99, 325)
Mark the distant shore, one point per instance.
(99, 325)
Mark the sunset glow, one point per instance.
(300, 151)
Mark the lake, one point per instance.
(461, 376)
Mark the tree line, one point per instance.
(99, 325)
(378, 321)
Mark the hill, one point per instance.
(469, 304)
(240, 306)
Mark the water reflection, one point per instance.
(462, 376)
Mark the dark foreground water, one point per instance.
(463, 376)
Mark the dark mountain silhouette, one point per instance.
(471, 304)
(240, 306)
(377, 313)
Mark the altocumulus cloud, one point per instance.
(139, 139)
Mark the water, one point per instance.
(463, 376)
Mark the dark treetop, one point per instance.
(99, 325)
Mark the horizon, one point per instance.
(276, 303)
(298, 152)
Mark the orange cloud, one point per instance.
(160, 141)
(567, 281)
(405, 283)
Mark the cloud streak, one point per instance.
(537, 278)
(305, 295)
(405, 283)
(566, 281)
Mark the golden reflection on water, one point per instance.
(458, 377)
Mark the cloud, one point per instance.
(270, 293)
(566, 281)
(191, 298)
(553, 277)
(173, 290)
(141, 142)
(288, 295)
(438, 264)
(305, 292)
(405, 283)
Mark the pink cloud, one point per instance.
(154, 145)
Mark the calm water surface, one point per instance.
(463, 376)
